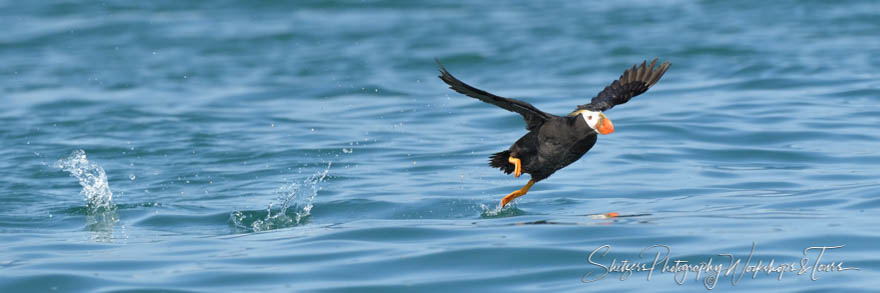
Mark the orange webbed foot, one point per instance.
(517, 166)
(513, 195)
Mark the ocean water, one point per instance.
(307, 146)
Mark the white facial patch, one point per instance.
(592, 118)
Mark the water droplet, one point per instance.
(132, 177)
(313, 130)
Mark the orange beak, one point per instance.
(605, 126)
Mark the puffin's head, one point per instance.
(597, 121)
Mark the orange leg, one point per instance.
(518, 193)
(517, 163)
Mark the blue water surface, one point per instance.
(307, 146)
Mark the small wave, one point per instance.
(295, 206)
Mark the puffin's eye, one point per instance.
(590, 117)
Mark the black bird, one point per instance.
(553, 141)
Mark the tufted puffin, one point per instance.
(553, 141)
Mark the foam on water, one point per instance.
(294, 209)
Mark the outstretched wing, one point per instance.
(534, 117)
(631, 83)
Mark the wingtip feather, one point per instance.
(440, 66)
(658, 73)
(643, 74)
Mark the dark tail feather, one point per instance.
(499, 160)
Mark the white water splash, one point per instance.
(92, 178)
(490, 211)
(297, 196)
(496, 211)
(101, 211)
